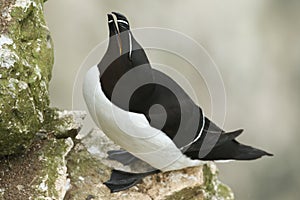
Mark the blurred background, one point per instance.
(256, 47)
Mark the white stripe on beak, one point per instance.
(122, 21)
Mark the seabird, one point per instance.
(149, 115)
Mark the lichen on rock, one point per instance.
(212, 187)
(26, 60)
(52, 181)
(41, 171)
(89, 167)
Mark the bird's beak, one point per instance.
(113, 31)
(122, 22)
(118, 29)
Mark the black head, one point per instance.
(121, 38)
(122, 55)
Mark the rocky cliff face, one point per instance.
(26, 59)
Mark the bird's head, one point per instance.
(119, 33)
(123, 55)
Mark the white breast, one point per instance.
(131, 130)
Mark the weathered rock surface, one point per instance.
(26, 59)
(41, 172)
(88, 168)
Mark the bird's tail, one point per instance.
(227, 148)
(120, 180)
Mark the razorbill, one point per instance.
(149, 115)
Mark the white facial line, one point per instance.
(122, 21)
(110, 21)
(130, 45)
(200, 132)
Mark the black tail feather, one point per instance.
(233, 150)
(222, 146)
(120, 180)
(229, 136)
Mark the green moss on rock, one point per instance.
(213, 188)
(86, 174)
(52, 181)
(26, 60)
(64, 123)
(41, 172)
(192, 193)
